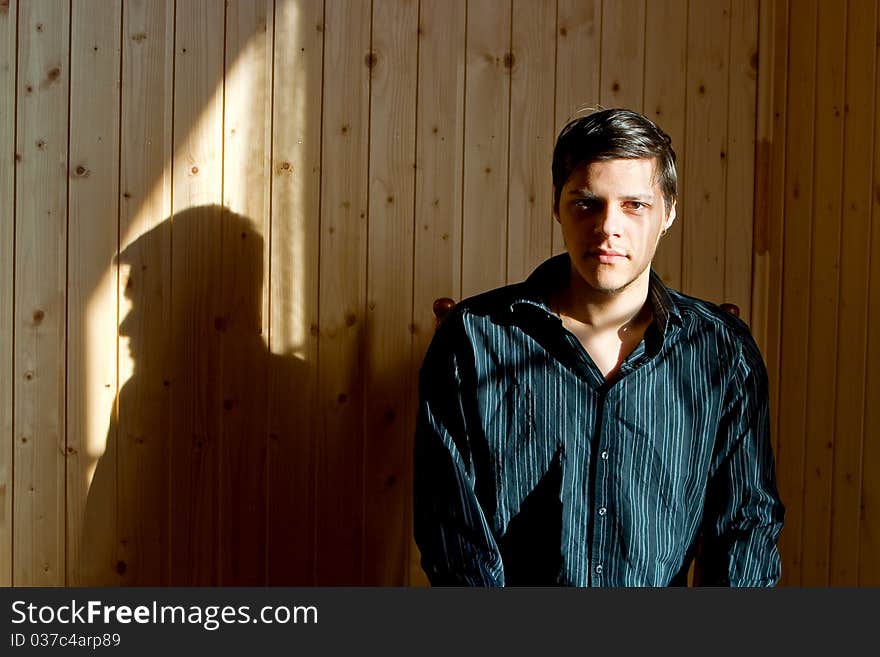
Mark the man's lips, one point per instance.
(606, 256)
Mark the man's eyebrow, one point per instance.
(581, 193)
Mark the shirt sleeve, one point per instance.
(456, 543)
(743, 513)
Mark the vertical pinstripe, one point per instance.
(531, 469)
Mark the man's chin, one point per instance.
(605, 284)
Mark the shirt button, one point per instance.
(604, 456)
(602, 510)
(599, 569)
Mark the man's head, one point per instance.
(614, 134)
(614, 191)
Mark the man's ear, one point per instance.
(670, 219)
(554, 208)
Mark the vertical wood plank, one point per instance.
(706, 145)
(388, 416)
(869, 525)
(530, 196)
(293, 333)
(40, 294)
(135, 466)
(578, 59)
(197, 302)
(770, 195)
(797, 238)
(95, 53)
(344, 205)
(245, 257)
(621, 82)
(487, 118)
(740, 190)
(849, 427)
(664, 103)
(438, 192)
(8, 25)
(824, 294)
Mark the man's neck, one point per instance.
(609, 326)
(602, 312)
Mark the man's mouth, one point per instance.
(606, 256)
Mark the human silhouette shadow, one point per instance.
(207, 477)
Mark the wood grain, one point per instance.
(343, 273)
(665, 104)
(740, 156)
(293, 278)
(487, 116)
(198, 319)
(621, 80)
(869, 516)
(136, 464)
(41, 294)
(530, 196)
(706, 150)
(438, 184)
(92, 303)
(388, 418)
(855, 240)
(245, 237)
(824, 295)
(795, 287)
(8, 30)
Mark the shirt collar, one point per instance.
(553, 274)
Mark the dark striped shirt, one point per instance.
(532, 469)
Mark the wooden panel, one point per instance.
(344, 201)
(795, 286)
(706, 146)
(530, 197)
(245, 238)
(40, 293)
(770, 194)
(849, 428)
(197, 301)
(93, 198)
(740, 156)
(621, 83)
(438, 193)
(664, 103)
(824, 294)
(8, 21)
(138, 441)
(388, 417)
(293, 332)
(869, 525)
(578, 38)
(487, 108)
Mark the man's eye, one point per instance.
(583, 204)
(635, 205)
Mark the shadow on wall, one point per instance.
(208, 473)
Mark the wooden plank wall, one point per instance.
(227, 221)
(816, 282)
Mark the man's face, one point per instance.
(612, 214)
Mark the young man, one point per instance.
(589, 426)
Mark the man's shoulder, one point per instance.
(491, 305)
(700, 315)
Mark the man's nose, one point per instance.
(608, 221)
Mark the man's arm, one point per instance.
(456, 543)
(743, 513)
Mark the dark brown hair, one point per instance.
(614, 134)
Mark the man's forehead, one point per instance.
(580, 177)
